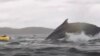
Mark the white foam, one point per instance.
(97, 36)
(81, 37)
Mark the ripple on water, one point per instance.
(22, 54)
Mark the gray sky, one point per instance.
(47, 13)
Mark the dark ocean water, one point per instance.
(34, 46)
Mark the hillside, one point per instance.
(28, 30)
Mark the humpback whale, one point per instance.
(77, 27)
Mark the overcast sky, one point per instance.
(47, 13)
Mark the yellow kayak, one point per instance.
(4, 38)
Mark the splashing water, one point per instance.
(81, 37)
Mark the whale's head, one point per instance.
(77, 27)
